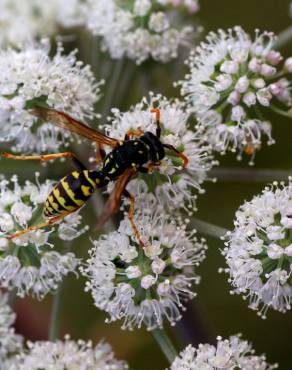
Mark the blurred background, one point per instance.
(214, 312)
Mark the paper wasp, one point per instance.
(138, 152)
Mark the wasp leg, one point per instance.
(150, 167)
(131, 217)
(132, 133)
(178, 153)
(100, 154)
(47, 157)
(50, 222)
(157, 118)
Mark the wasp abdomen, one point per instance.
(72, 192)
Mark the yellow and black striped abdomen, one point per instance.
(72, 192)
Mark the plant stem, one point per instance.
(125, 84)
(165, 344)
(283, 38)
(117, 70)
(208, 228)
(230, 174)
(280, 111)
(54, 329)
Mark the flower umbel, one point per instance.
(233, 81)
(140, 29)
(10, 342)
(31, 78)
(23, 21)
(68, 355)
(145, 286)
(173, 185)
(28, 263)
(259, 250)
(228, 354)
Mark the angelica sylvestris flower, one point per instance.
(68, 355)
(10, 343)
(145, 286)
(29, 78)
(29, 263)
(228, 354)
(142, 29)
(26, 20)
(193, 6)
(173, 186)
(259, 250)
(233, 81)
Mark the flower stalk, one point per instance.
(284, 38)
(54, 329)
(116, 74)
(208, 228)
(165, 344)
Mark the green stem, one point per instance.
(280, 111)
(122, 93)
(284, 38)
(54, 329)
(230, 174)
(112, 87)
(208, 228)
(165, 344)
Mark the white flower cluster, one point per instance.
(10, 343)
(23, 21)
(172, 185)
(193, 6)
(28, 263)
(140, 30)
(229, 354)
(145, 285)
(67, 355)
(30, 77)
(259, 250)
(233, 80)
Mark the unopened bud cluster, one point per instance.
(233, 81)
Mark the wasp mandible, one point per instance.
(138, 152)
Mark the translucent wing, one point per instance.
(113, 203)
(67, 122)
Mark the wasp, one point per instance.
(138, 152)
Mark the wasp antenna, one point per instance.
(178, 153)
(157, 118)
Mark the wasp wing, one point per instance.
(113, 203)
(67, 122)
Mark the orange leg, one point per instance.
(131, 217)
(151, 166)
(132, 133)
(44, 158)
(50, 222)
(100, 154)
